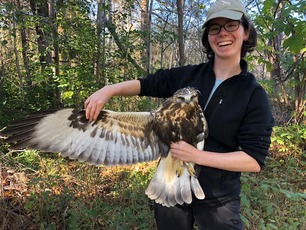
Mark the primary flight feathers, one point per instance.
(115, 138)
(124, 138)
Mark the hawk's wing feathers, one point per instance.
(114, 138)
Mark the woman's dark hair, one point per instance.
(247, 46)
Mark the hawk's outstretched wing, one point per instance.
(114, 138)
(125, 138)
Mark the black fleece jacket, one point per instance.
(238, 115)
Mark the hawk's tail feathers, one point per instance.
(167, 189)
(196, 188)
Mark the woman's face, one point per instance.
(227, 44)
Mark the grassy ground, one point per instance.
(44, 191)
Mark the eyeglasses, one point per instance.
(229, 27)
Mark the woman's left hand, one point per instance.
(184, 151)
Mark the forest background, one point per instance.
(55, 53)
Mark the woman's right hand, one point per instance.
(95, 103)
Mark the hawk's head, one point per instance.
(186, 95)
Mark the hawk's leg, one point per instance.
(189, 167)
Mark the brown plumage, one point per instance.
(124, 138)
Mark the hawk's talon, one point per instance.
(190, 169)
(179, 171)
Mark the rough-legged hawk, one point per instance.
(124, 138)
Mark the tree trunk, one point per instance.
(45, 34)
(180, 7)
(40, 9)
(99, 62)
(56, 72)
(24, 43)
(13, 33)
(146, 12)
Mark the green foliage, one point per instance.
(282, 22)
(274, 199)
(267, 85)
(36, 86)
(281, 49)
(28, 159)
(290, 140)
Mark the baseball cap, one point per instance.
(232, 9)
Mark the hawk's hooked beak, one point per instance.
(188, 98)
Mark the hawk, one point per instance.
(121, 138)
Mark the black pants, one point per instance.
(206, 217)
